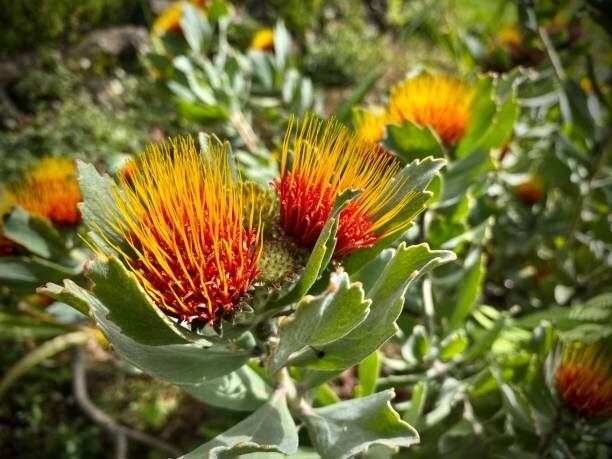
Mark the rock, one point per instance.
(113, 41)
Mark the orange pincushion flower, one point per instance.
(584, 380)
(263, 40)
(50, 190)
(170, 19)
(371, 125)
(327, 160)
(530, 192)
(440, 102)
(191, 243)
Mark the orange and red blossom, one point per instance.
(584, 379)
(49, 190)
(189, 240)
(169, 21)
(529, 192)
(327, 160)
(440, 102)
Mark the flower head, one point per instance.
(440, 102)
(327, 160)
(263, 40)
(189, 240)
(170, 19)
(584, 380)
(371, 125)
(50, 190)
(510, 36)
(529, 192)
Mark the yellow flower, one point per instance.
(510, 36)
(371, 125)
(263, 40)
(50, 190)
(170, 19)
(191, 243)
(440, 102)
(584, 379)
(327, 160)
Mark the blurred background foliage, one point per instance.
(528, 217)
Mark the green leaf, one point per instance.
(196, 29)
(387, 295)
(415, 178)
(282, 45)
(410, 141)
(264, 73)
(34, 233)
(321, 320)
(200, 113)
(417, 346)
(478, 235)
(501, 129)
(485, 341)
(370, 273)
(128, 305)
(587, 333)
(28, 273)
(517, 406)
(579, 116)
(450, 394)
(270, 428)
(463, 174)
(175, 363)
(345, 429)
(589, 322)
(368, 375)
(469, 291)
(321, 253)
(417, 403)
(482, 114)
(597, 309)
(98, 206)
(241, 390)
(326, 396)
(216, 9)
(361, 90)
(453, 345)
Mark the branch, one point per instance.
(44, 351)
(297, 403)
(548, 46)
(105, 421)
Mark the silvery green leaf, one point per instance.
(241, 390)
(321, 320)
(190, 363)
(269, 429)
(387, 295)
(348, 428)
(34, 233)
(121, 299)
